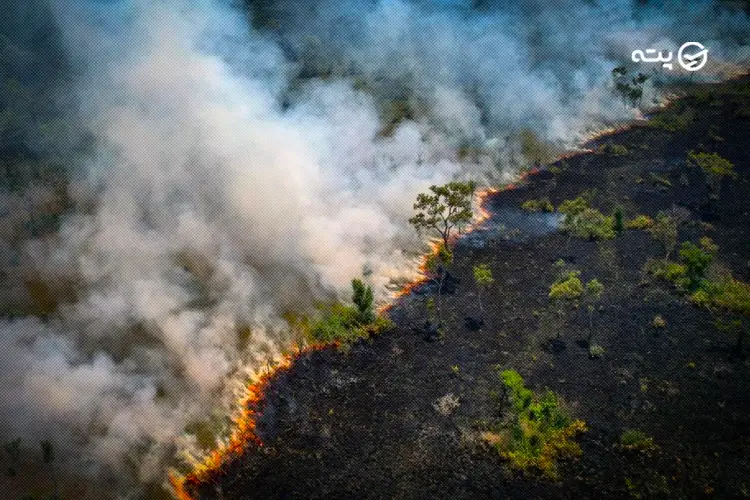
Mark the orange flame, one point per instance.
(244, 432)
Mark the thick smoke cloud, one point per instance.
(238, 169)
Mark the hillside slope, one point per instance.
(363, 423)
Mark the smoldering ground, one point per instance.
(216, 165)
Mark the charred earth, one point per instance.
(366, 423)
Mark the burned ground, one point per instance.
(363, 423)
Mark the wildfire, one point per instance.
(244, 428)
(244, 432)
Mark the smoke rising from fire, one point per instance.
(240, 170)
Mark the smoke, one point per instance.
(241, 168)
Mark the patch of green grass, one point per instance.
(539, 431)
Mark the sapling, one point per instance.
(483, 278)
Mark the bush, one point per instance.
(593, 225)
(728, 294)
(568, 288)
(595, 351)
(539, 431)
(540, 205)
(616, 149)
(363, 300)
(696, 261)
(672, 121)
(639, 222)
(618, 224)
(585, 222)
(714, 166)
(637, 440)
(664, 230)
(659, 322)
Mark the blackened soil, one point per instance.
(363, 424)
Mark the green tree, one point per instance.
(619, 224)
(585, 222)
(630, 89)
(362, 297)
(445, 209)
(483, 278)
(715, 167)
(696, 262)
(664, 230)
(565, 293)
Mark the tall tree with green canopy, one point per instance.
(445, 209)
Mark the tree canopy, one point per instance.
(444, 208)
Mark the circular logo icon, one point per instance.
(695, 60)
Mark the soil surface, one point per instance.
(362, 424)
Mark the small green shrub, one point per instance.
(568, 288)
(617, 150)
(672, 120)
(714, 166)
(639, 222)
(585, 222)
(594, 225)
(696, 261)
(538, 431)
(637, 440)
(595, 351)
(659, 322)
(711, 164)
(540, 205)
(729, 294)
(619, 224)
(363, 300)
(659, 180)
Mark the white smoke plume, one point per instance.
(243, 170)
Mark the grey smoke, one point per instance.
(240, 171)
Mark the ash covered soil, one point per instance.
(362, 424)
